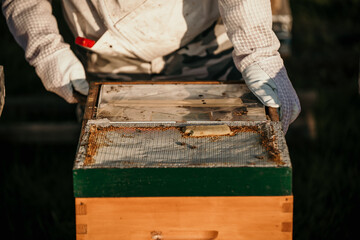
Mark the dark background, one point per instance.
(39, 132)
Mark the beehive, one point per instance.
(139, 175)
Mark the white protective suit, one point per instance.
(147, 30)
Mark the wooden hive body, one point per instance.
(138, 175)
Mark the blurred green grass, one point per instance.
(36, 197)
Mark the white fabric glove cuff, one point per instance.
(261, 85)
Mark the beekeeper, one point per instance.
(155, 39)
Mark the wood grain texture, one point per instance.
(178, 102)
(90, 106)
(161, 82)
(175, 103)
(274, 114)
(180, 218)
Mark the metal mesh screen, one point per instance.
(153, 146)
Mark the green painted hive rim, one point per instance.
(176, 182)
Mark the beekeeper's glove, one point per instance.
(62, 73)
(268, 81)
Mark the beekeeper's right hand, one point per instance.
(35, 29)
(62, 73)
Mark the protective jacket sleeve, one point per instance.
(249, 28)
(35, 29)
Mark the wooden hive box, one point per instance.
(139, 175)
